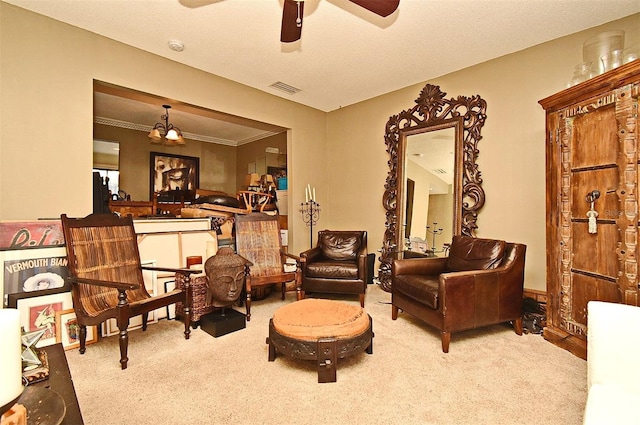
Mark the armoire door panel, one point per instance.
(604, 180)
(586, 288)
(591, 252)
(594, 138)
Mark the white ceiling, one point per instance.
(346, 54)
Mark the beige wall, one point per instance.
(222, 167)
(512, 150)
(217, 162)
(46, 84)
(251, 153)
(46, 110)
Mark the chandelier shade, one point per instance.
(166, 133)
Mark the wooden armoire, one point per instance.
(592, 177)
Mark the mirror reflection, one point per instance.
(429, 188)
(106, 162)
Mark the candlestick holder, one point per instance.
(310, 212)
(434, 232)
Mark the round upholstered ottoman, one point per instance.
(321, 330)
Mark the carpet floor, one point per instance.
(490, 376)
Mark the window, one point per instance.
(114, 179)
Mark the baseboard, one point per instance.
(540, 296)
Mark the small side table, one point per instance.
(199, 306)
(60, 381)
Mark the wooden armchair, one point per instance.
(106, 276)
(480, 283)
(258, 240)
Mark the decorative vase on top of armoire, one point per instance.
(592, 200)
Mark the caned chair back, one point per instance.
(103, 247)
(258, 240)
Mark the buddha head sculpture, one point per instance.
(226, 272)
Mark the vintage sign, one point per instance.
(30, 234)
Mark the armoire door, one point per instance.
(591, 175)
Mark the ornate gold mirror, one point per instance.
(433, 189)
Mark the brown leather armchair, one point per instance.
(480, 283)
(337, 264)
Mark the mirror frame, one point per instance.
(433, 112)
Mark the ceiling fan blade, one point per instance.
(379, 7)
(292, 15)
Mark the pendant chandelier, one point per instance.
(166, 133)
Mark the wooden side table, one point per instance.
(60, 381)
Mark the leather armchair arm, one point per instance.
(419, 266)
(484, 296)
(311, 255)
(511, 270)
(362, 263)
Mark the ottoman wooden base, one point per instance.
(325, 350)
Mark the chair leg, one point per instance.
(248, 305)
(122, 319)
(145, 320)
(446, 339)
(82, 334)
(284, 289)
(517, 325)
(394, 312)
(187, 304)
(187, 322)
(362, 300)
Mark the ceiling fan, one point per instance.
(293, 12)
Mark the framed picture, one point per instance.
(68, 330)
(277, 172)
(173, 176)
(38, 311)
(33, 270)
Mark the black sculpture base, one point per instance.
(217, 324)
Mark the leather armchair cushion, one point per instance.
(340, 246)
(332, 269)
(469, 253)
(423, 289)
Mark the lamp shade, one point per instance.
(266, 179)
(155, 134)
(252, 179)
(10, 358)
(172, 134)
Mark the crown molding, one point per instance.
(147, 128)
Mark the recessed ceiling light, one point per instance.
(176, 45)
